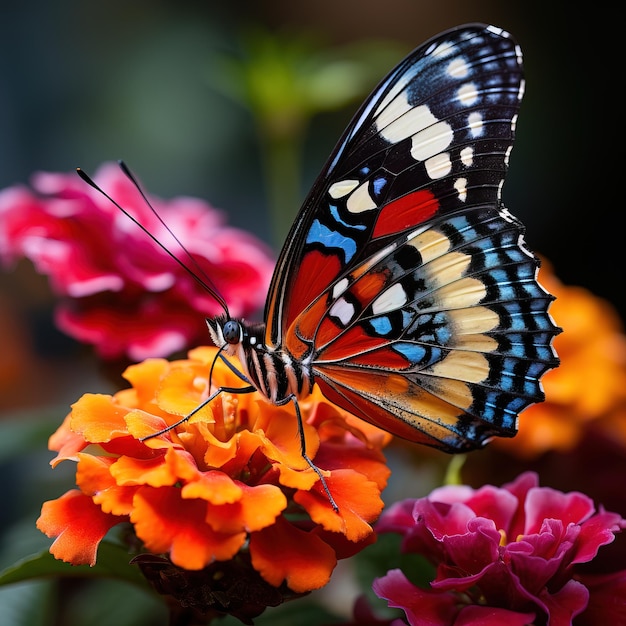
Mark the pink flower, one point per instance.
(119, 290)
(503, 555)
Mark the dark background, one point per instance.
(86, 82)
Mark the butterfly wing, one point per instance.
(404, 282)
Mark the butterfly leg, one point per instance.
(290, 398)
(305, 456)
(233, 369)
(249, 389)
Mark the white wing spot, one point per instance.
(444, 49)
(505, 214)
(360, 200)
(467, 156)
(438, 166)
(521, 242)
(475, 121)
(340, 287)
(413, 121)
(342, 188)
(458, 68)
(500, 185)
(392, 111)
(390, 299)
(467, 94)
(507, 155)
(460, 184)
(431, 141)
(396, 92)
(496, 30)
(343, 311)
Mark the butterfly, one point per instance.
(405, 289)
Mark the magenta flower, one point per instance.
(119, 290)
(508, 555)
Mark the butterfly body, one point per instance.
(405, 289)
(275, 373)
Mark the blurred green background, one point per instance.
(87, 82)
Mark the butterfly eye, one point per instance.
(232, 332)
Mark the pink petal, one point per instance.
(598, 531)
(546, 503)
(422, 608)
(565, 604)
(490, 616)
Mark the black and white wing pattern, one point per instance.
(405, 285)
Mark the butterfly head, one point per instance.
(225, 332)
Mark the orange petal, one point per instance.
(213, 486)
(98, 418)
(204, 354)
(223, 376)
(343, 547)
(93, 473)
(358, 500)
(182, 391)
(145, 378)
(66, 442)
(258, 507)
(297, 479)
(216, 453)
(334, 423)
(282, 552)
(167, 523)
(141, 424)
(367, 461)
(159, 471)
(93, 476)
(282, 439)
(78, 525)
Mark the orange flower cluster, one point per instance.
(589, 387)
(229, 481)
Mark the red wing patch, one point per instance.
(368, 286)
(383, 357)
(312, 278)
(405, 212)
(352, 342)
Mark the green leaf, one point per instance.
(113, 562)
(28, 604)
(115, 603)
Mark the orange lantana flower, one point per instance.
(230, 483)
(589, 386)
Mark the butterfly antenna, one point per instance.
(200, 276)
